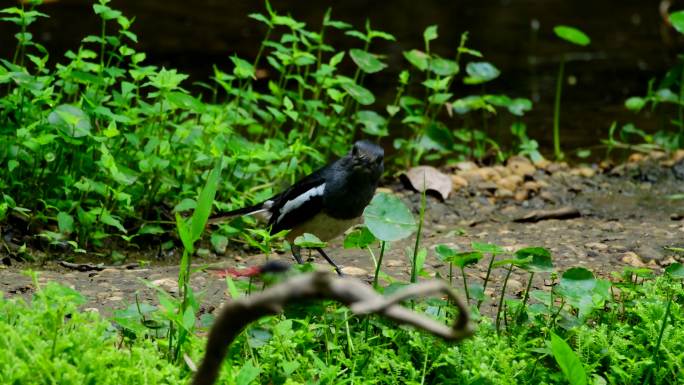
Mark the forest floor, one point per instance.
(630, 215)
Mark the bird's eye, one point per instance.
(355, 151)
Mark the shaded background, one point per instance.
(631, 44)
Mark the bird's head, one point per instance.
(367, 158)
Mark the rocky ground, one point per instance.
(629, 215)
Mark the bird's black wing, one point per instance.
(299, 203)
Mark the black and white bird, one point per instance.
(324, 203)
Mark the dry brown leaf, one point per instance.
(428, 178)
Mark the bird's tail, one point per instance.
(257, 208)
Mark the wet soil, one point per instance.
(628, 217)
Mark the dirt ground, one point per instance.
(631, 215)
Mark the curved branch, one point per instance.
(360, 297)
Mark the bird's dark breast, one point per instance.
(349, 202)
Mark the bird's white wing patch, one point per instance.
(264, 214)
(293, 204)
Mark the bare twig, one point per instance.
(95, 267)
(540, 215)
(360, 297)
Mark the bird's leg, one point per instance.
(297, 254)
(330, 261)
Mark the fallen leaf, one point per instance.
(427, 178)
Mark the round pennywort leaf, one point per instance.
(480, 72)
(675, 270)
(388, 218)
(541, 259)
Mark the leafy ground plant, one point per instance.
(102, 147)
(608, 344)
(574, 36)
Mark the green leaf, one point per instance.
(105, 12)
(388, 218)
(184, 233)
(577, 280)
(430, 34)
(522, 263)
(444, 67)
(437, 84)
(185, 205)
(108, 219)
(189, 319)
(373, 123)
(440, 98)
(392, 109)
(635, 103)
(519, 106)
(205, 202)
(541, 259)
(461, 259)
(675, 270)
(417, 58)
(336, 59)
(219, 242)
(287, 21)
(185, 101)
(167, 79)
(357, 35)
(71, 120)
(359, 239)
(582, 291)
(309, 241)
(583, 153)
(259, 17)
(358, 93)
(568, 361)
(487, 248)
(571, 35)
(677, 20)
(366, 61)
(381, 35)
(65, 222)
(151, 229)
(480, 72)
(243, 69)
(247, 374)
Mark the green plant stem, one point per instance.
(501, 299)
(680, 107)
(556, 111)
(486, 280)
(465, 283)
(660, 337)
(350, 341)
(378, 264)
(414, 267)
(451, 274)
(526, 296)
(425, 361)
(555, 315)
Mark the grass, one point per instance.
(630, 338)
